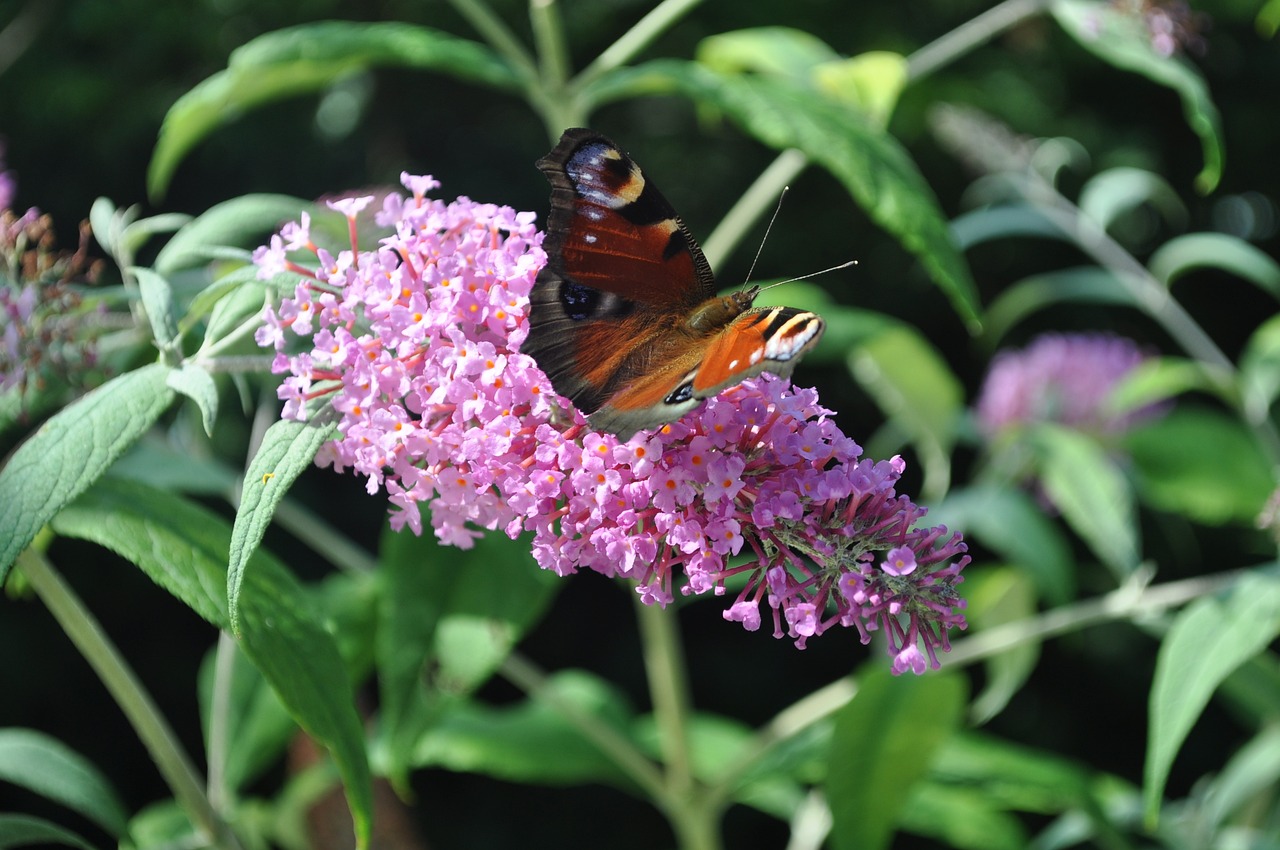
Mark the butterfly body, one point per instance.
(624, 319)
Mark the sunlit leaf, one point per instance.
(1004, 221)
(870, 81)
(780, 51)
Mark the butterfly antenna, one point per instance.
(844, 265)
(763, 239)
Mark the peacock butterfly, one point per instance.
(624, 319)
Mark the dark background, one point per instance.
(80, 107)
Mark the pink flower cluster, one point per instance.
(416, 344)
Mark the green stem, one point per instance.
(754, 203)
(971, 34)
(548, 37)
(497, 34)
(220, 721)
(123, 684)
(693, 816)
(636, 39)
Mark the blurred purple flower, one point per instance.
(1062, 378)
(416, 345)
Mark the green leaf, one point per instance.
(913, 385)
(531, 741)
(1011, 775)
(1209, 639)
(1201, 463)
(961, 818)
(995, 597)
(72, 450)
(240, 304)
(205, 300)
(136, 234)
(287, 450)
(884, 742)
(106, 230)
(870, 81)
(1012, 525)
(1260, 369)
(439, 614)
(308, 58)
(1249, 776)
(1231, 254)
(283, 635)
(1004, 221)
(194, 382)
(178, 544)
(780, 51)
(1110, 194)
(1084, 483)
(157, 300)
(1121, 39)
(1160, 379)
(27, 831)
(163, 825)
(871, 164)
(240, 221)
(45, 766)
(1085, 284)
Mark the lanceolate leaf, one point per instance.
(870, 163)
(72, 450)
(305, 59)
(1209, 640)
(27, 831)
(45, 766)
(287, 449)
